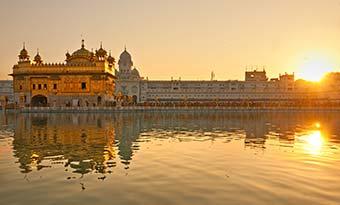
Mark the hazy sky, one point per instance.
(179, 38)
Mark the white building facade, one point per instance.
(255, 87)
(128, 79)
(6, 92)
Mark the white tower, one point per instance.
(125, 64)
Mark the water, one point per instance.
(170, 158)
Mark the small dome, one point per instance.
(23, 54)
(111, 59)
(68, 55)
(101, 52)
(135, 72)
(37, 58)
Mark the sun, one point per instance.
(314, 69)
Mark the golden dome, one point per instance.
(82, 52)
(111, 59)
(81, 55)
(101, 52)
(23, 54)
(37, 58)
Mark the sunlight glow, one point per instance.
(314, 69)
(313, 142)
(317, 125)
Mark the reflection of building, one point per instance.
(98, 142)
(128, 128)
(86, 79)
(6, 92)
(83, 142)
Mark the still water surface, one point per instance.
(173, 158)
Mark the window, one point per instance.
(45, 86)
(83, 86)
(20, 87)
(54, 86)
(39, 86)
(33, 86)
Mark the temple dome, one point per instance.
(37, 58)
(82, 52)
(111, 59)
(24, 54)
(125, 55)
(125, 59)
(81, 55)
(101, 52)
(135, 72)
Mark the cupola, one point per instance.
(37, 58)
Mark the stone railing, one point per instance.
(171, 109)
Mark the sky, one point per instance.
(185, 39)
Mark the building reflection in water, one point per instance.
(97, 142)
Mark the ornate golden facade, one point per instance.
(85, 79)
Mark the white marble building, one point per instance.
(255, 87)
(230, 90)
(128, 79)
(6, 91)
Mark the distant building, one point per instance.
(256, 75)
(85, 79)
(229, 90)
(255, 87)
(6, 92)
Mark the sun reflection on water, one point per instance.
(313, 142)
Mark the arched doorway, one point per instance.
(39, 101)
(99, 100)
(134, 99)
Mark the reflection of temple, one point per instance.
(96, 142)
(84, 141)
(128, 128)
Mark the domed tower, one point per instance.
(37, 58)
(101, 53)
(125, 62)
(23, 56)
(111, 60)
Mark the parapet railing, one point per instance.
(165, 109)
